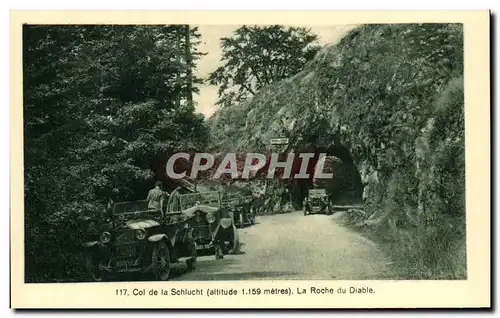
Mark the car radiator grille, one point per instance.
(201, 229)
(201, 232)
(126, 246)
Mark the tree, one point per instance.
(256, 56)
(188, 57)
(186, 41)
(99, 105)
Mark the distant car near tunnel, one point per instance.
(317, 201)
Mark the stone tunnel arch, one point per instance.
(345, 187)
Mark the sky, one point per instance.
(210, 44)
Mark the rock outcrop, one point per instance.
(388, 98)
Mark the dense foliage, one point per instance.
(256, 56)
(392, 97)
(100, 102)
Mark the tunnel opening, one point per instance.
(346, 186)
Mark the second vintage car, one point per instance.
(212, 222)
(242, 208)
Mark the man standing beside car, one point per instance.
(155, 197)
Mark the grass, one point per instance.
(408, 253)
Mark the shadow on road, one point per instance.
(237, 276)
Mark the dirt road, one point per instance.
(294, 246)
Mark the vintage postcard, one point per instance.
(232, 159)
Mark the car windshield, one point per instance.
(134, 210)
(130, 207)
(211, 198)
(232, 198)
(317, 192)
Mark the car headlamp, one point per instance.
(105, 237)
(140, 234)
(210, 218)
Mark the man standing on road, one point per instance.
(155, 197)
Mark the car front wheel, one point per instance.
(328, 211)
(161, 261)
(191, 263)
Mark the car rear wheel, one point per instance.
(161, 261)
(235, 242)
(92, 266)
(191, 263)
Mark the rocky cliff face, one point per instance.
(389, 98)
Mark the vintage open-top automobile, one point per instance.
(317, 201)
(212, 222)
(138, 239)
(242, 208)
